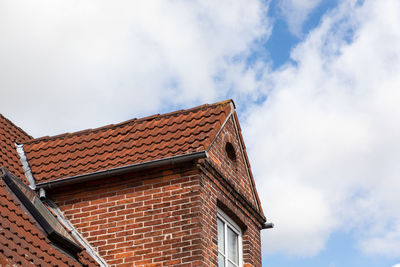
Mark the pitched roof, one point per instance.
(131, 142)
(21, 241)
(9, 135)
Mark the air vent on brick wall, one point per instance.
(230, 151)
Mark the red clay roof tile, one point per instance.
(23, 244)
(9, 135)
(131, 142)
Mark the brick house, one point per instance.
(167, 190)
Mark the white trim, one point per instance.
(25, 166)
(246, 163)
(228, 222)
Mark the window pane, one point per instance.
(221, 236)
(221, 260)
(233, 247)
(231, 264)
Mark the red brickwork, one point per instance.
(234, 170)
(226, 183)
(139, 220)
(167, 218)
(213, 195)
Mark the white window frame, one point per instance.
(229, 222)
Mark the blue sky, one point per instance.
(339, 251)
(281, 41)
(340, 248)
(315, 83)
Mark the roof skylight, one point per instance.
(53, 228)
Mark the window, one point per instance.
(53, 228)
(229, 242)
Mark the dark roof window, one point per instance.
(53, 228)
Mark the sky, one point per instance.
(315, 82)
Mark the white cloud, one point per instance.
(296, 13)
(77, 64)
(396, 265)
(310, 217)
(324, 145)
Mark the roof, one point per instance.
(9, 135)
(21, 241)
(128, 143)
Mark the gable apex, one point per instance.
(228, 152)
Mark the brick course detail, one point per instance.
(140, 219)
(167, 218)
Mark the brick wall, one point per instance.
(213, 195)
(221, 178)
(139, 219)
(167, 216)
(234, 170)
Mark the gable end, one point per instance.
(227, 154)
